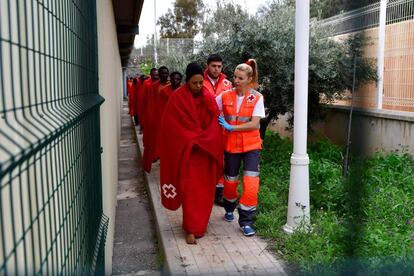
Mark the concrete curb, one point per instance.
(165, 233)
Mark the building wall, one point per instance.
(398, 93)
(110, 87)
(372, 130)
(281, 126)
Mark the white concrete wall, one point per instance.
(281, 126)
(372, 130)
(110, 87)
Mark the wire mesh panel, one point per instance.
(51, 219)
(399, 66)
(368, 17)
(175, 53)
(398, 91)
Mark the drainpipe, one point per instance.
(124, 83)
(298, 206)
(381, 49)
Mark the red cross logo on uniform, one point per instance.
(251, 98)
(169, 191)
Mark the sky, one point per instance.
(146, 21)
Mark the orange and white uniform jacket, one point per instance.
(221, 85)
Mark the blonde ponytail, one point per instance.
(250, 67)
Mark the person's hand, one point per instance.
(224, 124)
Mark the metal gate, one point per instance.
(51, 219)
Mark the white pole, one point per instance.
(298, 205)
(155, 34)
(381, 49)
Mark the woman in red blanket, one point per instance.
(191, 153)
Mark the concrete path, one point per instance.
(222, 251)
(135, 244)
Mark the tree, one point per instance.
(217, 20)
(182, 22)
(269, 38)
(327, 8)
(142, 59)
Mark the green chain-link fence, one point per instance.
(51, 219)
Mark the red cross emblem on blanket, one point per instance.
(251, 98)
(169, 191)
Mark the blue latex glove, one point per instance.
(224, 124)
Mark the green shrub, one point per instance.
(362, 224)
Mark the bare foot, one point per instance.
(190, 239)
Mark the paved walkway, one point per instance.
(222, 251)
(135, 249)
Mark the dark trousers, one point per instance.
(232, 164)
(136, 120)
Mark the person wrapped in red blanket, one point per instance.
(143, 96)
(165, 93)
(153, 119)
(130, 91)
(191, 153)
(137, 104)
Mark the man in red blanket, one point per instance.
(142, 97)
(153, 119)
(130, 91)
(191, 152)
(136, 85)
(139, 105)
(165, 93)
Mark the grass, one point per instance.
(361, 225)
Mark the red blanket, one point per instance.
(142, 100)
(189, 125)
(137, 91)
(152, 124)
(139, 100)
(131, 98)
(165, 94)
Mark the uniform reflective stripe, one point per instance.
(251, 173)
(231, 178)
(247, 208)
(230, 118)
(241, 141)
(244, 119)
